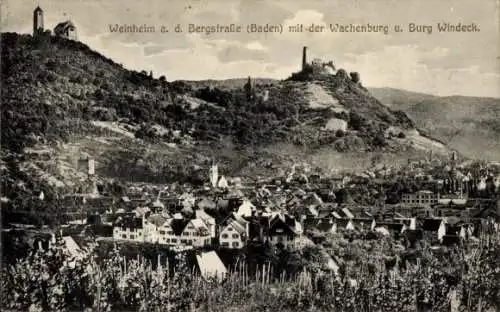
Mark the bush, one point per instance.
(356, 122)
(355, 77)
(215, 95)
(339, 133)
(180, 87)
(379, 140)
(341, 74)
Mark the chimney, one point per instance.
(304, 58)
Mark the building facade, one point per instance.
(420, 198)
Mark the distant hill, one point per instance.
(469, 124)
(60, 95)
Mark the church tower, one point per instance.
(37, 21)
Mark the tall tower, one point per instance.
(304, 57)
(37, 21)
(454, 159)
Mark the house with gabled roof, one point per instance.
(436, 227)
(208, 219)
(157, 205)
(309, 223)
(327, 225)
(312, 199)
(456, 230)
(246, 209)
(311, 211)
(326, 210)
(128, 228)
(195, 233)
(235, 233)
(284, 229)
(155, 227)
(345, 224)
(222, 183)
(390, 228)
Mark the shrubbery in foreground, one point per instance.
(51, 281)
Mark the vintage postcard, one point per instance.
(250, 155)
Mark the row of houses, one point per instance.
(278, 228)
(441, 230)
(166, 229)
(234, 232)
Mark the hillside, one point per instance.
(66, 100)
(469, 124)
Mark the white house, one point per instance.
(196, 233)
(129, 229)
(163, 229)
(388, 228)
(209, 221)
(246, 209)
(222, 183)
(233, 235)
(155, 227)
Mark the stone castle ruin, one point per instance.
(318, 69)
(317, 66)
(64, 29)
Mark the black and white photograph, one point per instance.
(250, 155)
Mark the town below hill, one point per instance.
(271, 234)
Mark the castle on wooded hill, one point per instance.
(65, 29)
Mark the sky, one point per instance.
(436, 63)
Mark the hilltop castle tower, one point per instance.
(304, 58)
(37, 21)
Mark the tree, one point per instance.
(342, 74)
(248, 89)
(355, 77)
